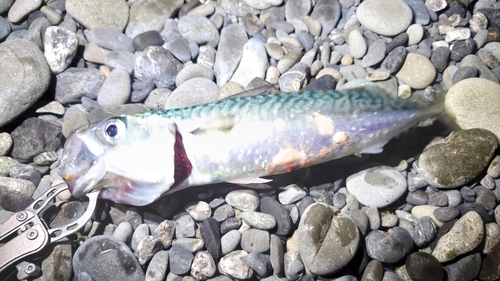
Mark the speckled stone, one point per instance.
(472, 150)
(417, 71)
(385, 17)
(465, 235)
(472, 104)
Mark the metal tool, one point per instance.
(25, 233)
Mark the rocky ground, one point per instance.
(424, 209)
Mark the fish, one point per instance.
(135, 159)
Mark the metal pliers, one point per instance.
(25, 233)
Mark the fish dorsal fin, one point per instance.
(249, 180)
(222, 124)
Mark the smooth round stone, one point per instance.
(475, 61)
(120, 59)
(15, 194)
(378, 186)
(283, 220)
(116, 89)
(25, 77)
(260, 263)
(357, 44)
(325, 251)
(394, 60)
(106, 258)
(230, 224)
(263, 4)
(485, 197)
(491, 263)
(465, 72)
(460, 158)
(158, 65)
(415, 33)
(223, 212)
(426, 210)
(327, 13)
(99, 13)
(52, 107)
(440, 57)
(75, 83)
(193, 71)
(6, 164)
(74, 118)
(255, 240)
(21, 8)
(123, 232)
(253, 63)
(5, 143)
(464, 236)
(140, 232)
(199, 29)
(230, 241)
(289, 59)
(293, 265)
(492, 237)
(184, 226)
(191, 244)
(417, 71)
(259, 220)
(193, 92)
(157, 268)
(148, 15)
(110, 39)
(446, 213)
(146, 39)
(389, 247)
(493, 170)
(465, 268)
(199, 210)
(385, 17)
(424, 267)
(245, 200)
(179, 260)
(292, 194)
(229, 52)
(375, 54)
(472, 104)
(94, 53)
(374, 271)
(233, 265)
(425, 231)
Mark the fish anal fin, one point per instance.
(374, 149)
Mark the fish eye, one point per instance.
(113, 129)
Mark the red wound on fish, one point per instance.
(183, 166)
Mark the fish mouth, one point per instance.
(79, 166)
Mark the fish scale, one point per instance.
(235, 140)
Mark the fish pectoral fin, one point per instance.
(375, 149)
(222, 124)
(249, 180)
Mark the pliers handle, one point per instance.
(25, 233)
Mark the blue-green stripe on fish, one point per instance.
(154, 153)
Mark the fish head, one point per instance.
(130, 159)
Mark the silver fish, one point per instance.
(135, 159)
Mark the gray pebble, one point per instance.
(116, 89)
(139, 233)
(150, 15)
(94, 53)
(106, 258)
(184, 226)
(394, 60)
(289, 59)
(74, 118)
(230, 224)
(438, 199)
(373, 217)
(255, 240)
(25, 78)
(157, 268)
(485, 197)
(158, 65)
(198, 210)
(141, 90)
(120, 59)
(110, 39)
(183, 49)
(229, 52)
(179, 260)
(26, 172)
(193, 71)
(384, 17)
(464, 268)
(260, 263)
(294, 78)
(389, 247)
(418, 197)
(146, 39)
(6, 164)
(223, 212)
(446, 213)
(465, 72)
(253, 63)
(425, 232)
(193, 92)
(440, 57)
(5, 143)
(74, 83)
(123, 232)
(283, 221)
(230, 241)
(199, 29)
(454, 197)
(326, 12)
(293, 265)
(157, 99)
(375, 54)
(292, 194)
